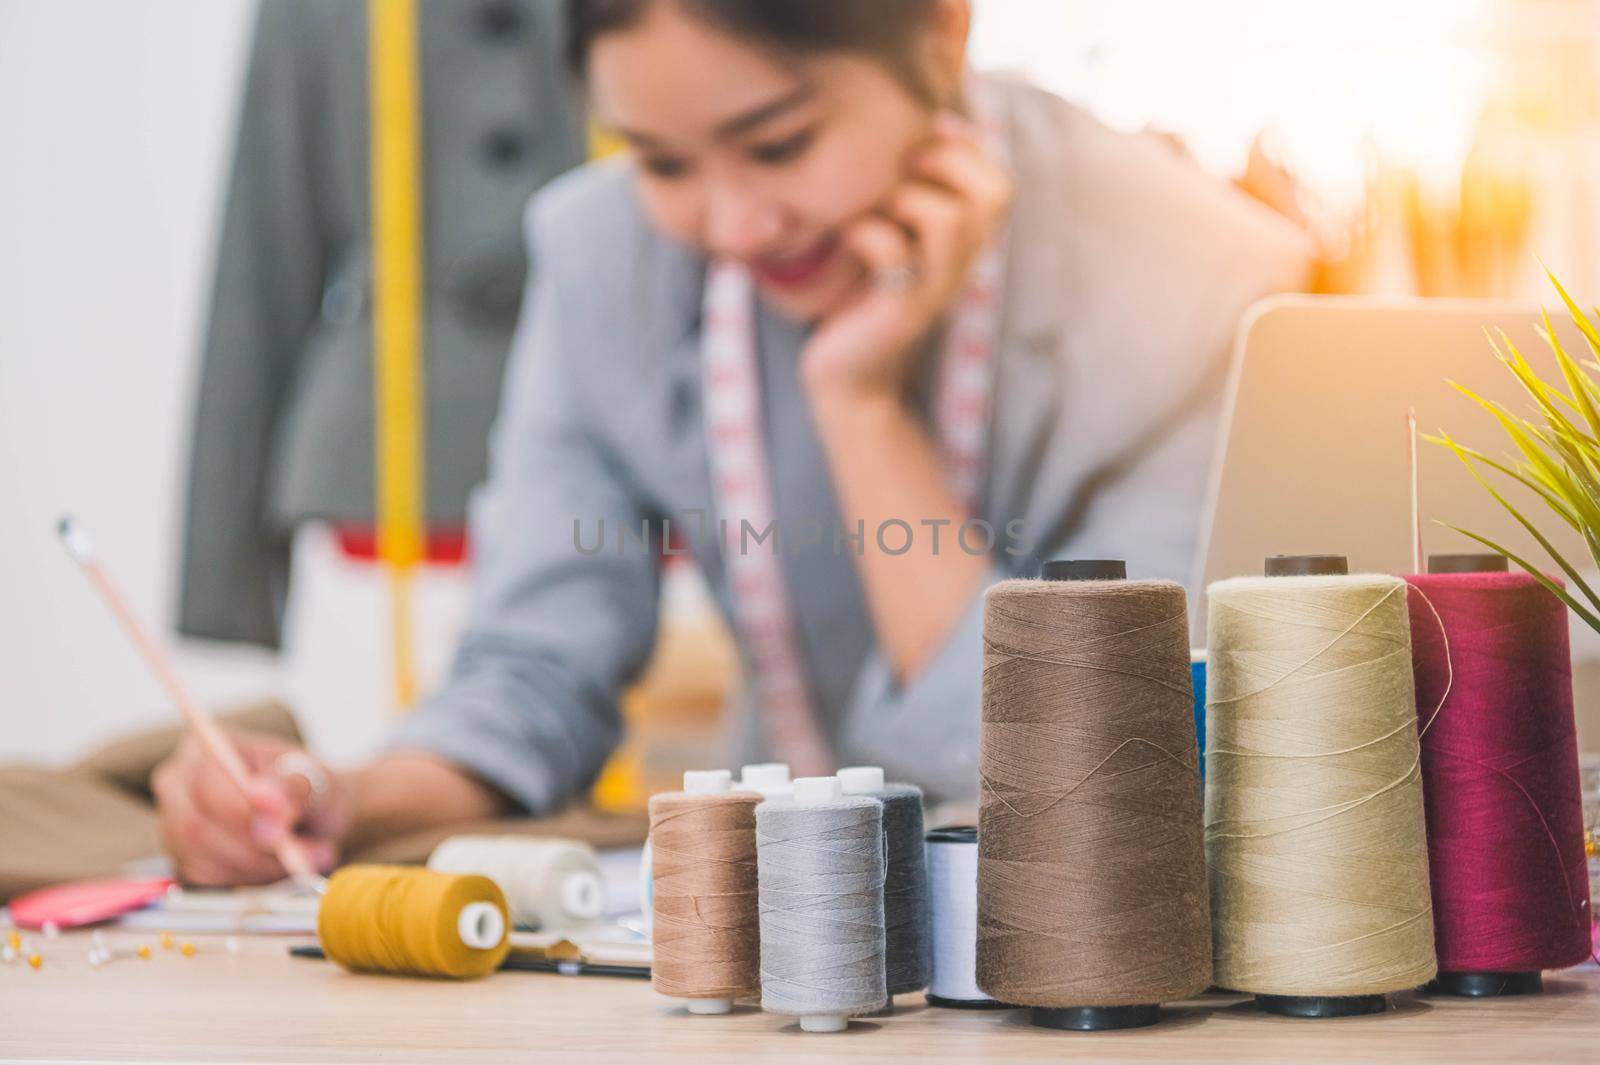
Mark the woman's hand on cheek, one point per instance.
(916, 252)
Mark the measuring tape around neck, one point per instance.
(741, 474)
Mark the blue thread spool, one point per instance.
(1197, 678)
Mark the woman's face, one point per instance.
(753, 157)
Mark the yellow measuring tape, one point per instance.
(393, 70)
(396, 106)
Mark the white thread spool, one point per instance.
(548, 883)
(770, 780)
(953, 877)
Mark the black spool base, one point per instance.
(1096, 1018)
(1320, 1006)
(1487, 985)
(966, 1003)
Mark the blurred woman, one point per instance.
(860, 330)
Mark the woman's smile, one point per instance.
(795, 269)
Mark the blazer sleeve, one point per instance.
(267, 292)
(554, 631)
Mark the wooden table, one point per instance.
(262, 1005)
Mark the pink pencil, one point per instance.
(79, 546)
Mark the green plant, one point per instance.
(1560, 453)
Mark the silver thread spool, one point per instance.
(820, 861)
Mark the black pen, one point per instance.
(523, 962)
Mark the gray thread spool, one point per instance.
(820, 862)
(907, 917)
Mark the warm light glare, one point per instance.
(1329, 83)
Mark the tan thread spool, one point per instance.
(1091, 881)
(706, 928)
(1315, 836)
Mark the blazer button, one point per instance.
(498, 20)
(504, 147)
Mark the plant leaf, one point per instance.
(1551, 499)
(1543, 395)
(1540, 465)
(1579, 319)
(1543, 541)
(1566, 597)
(1573, 375)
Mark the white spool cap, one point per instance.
(817, 789)
(581, 895)
(861, 779)
(481, 925)
(707, 781)
(768, 778)
(826, 1022)
(708, 1006)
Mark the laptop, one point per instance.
(1314, 456)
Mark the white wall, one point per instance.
(114, 121)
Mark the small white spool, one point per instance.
(770, 780)
(548, 883)
(708, 782)
(582, 896)
(953, 878)
(481, 926)
(820, 789)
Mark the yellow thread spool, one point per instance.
(394, 919)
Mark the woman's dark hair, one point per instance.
(883, 29)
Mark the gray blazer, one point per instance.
(1126, 275)
(283, 414)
